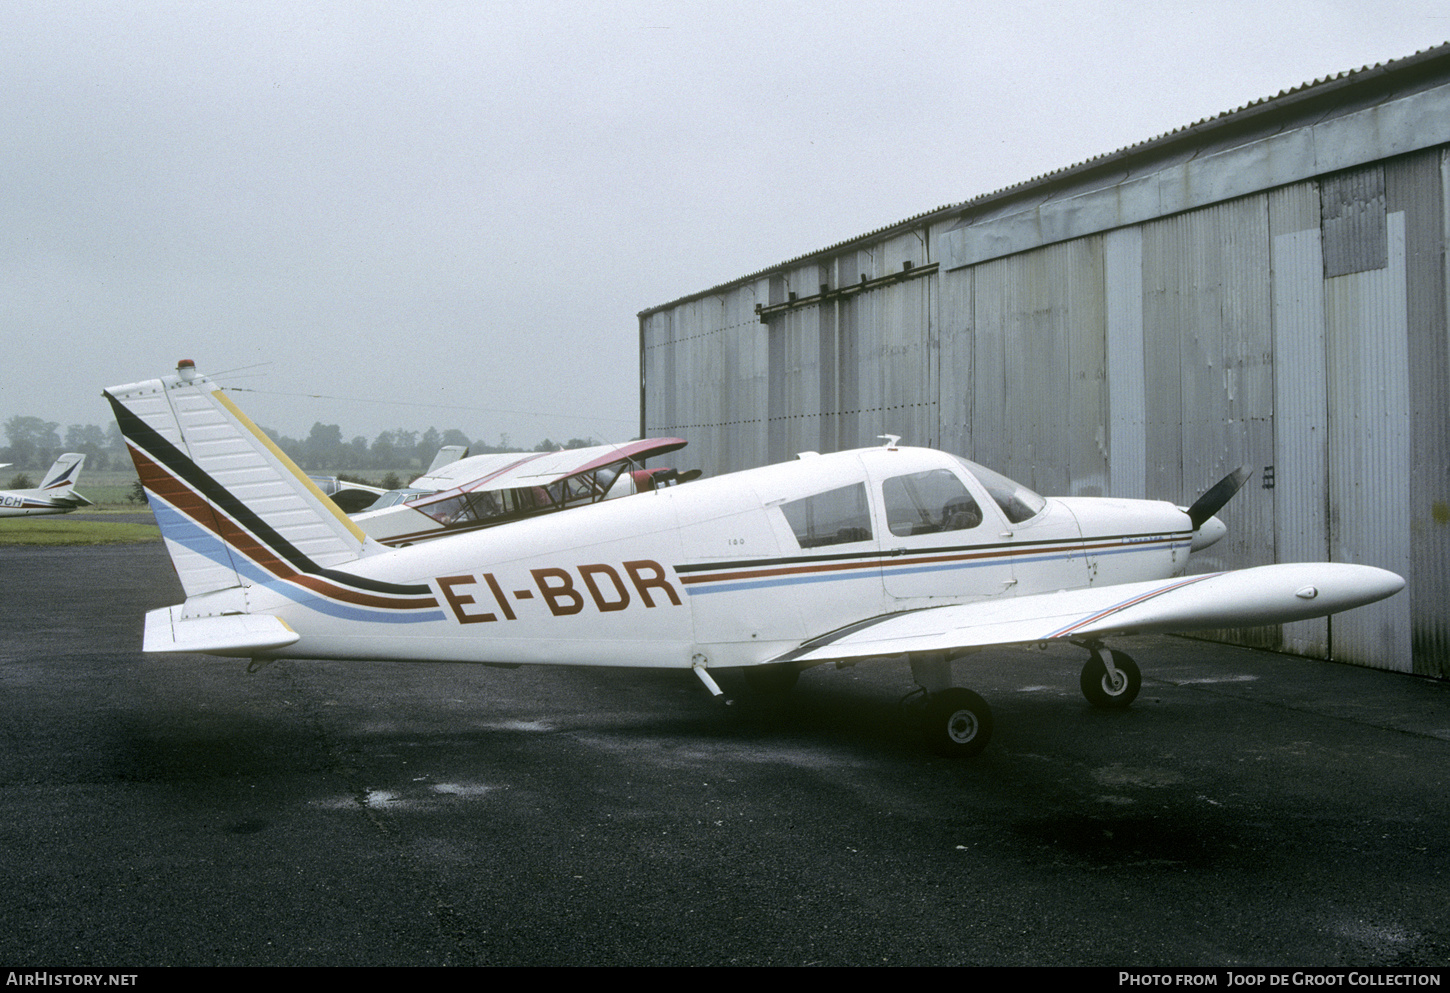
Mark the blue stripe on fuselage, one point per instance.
(182, 530)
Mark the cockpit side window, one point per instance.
(929, 502)
(835, 517)
(1017, 501)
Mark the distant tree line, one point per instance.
(35, 443)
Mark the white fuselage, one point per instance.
(31, 503)
(727, 571)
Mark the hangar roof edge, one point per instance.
(1365, 83)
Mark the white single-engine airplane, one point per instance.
(55, 495)
(880, 552)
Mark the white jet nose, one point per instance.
(1208, 532)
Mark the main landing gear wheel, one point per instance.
(1115, 689)
(958, 723)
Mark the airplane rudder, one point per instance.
(200, 552)
(63, 471)
(230, 503)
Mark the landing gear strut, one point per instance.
(958, 722)
(1112, 681)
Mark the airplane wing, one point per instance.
(506, 470)
(543, 468)
(461, 471)
(1271, 594)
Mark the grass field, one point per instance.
(111, 493)
(63, 530)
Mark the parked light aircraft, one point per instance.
(875, 553)
(488, 490)
(350, 497)
(55, 495)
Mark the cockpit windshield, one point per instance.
(394, 497)
(1017, 501)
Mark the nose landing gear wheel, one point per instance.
(958, 723)
(1111, 689)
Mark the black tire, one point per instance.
(958, 723)
(771, 680)
(1101, 691)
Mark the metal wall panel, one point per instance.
(1208, 356)
(1209, 372)
(828, 375)
(1087, 387)
(989, 366)
(1127, 400)
(1414, 185)
(1301, 416)
(893, 368)
(907, 395)
(795, 383)
(1040, 409)
(1369, 448)
(705, 378)
(1431, 632)
(658, 363)
(1164, 244)
(1353, 209)
(956, 351)
(1036, 370)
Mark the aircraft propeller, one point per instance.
(1217, 495)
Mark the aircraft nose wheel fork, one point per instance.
(1112, 681)
(958, 723)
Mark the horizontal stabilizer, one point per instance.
(167, 630)
(1270, 594)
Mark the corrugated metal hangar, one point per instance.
(1267, 287)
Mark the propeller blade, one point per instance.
(1218, 494)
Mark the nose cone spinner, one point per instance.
(1206, 527)
(1207, 533)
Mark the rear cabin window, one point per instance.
(929, 502)
(835, 517)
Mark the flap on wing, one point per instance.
(1271, 594)
(226, 634)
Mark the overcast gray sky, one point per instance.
(450, 213)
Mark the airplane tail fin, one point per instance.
(59, 483)
(233, 508)
(447, 455)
